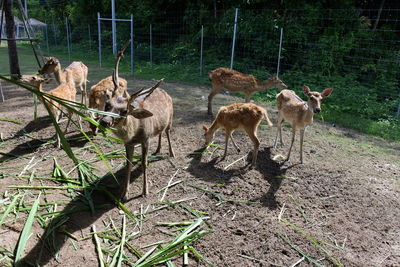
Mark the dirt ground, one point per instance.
(345, 196)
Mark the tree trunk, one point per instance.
(12, 46)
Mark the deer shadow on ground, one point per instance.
(75, 140)
(275, 173)
(207, 171)
(76, 215)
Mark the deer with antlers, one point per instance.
(145, 114)
(235, 81)
(292, 109)
(238, 116)
(77, 68)
(65, 91)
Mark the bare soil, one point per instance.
(345, 195)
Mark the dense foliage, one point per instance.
(349, 45)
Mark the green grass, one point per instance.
(388, 129)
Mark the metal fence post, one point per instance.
(201, 49)
(54, 34)
(47, 39)
(114, 28)
(90, 38)
(69, 50)
(151, 45)
(70, 36)
(279, 54)
(234, 37)
(132, 47)
(99, 31)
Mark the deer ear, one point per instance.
(204, 128)
(141, 113)
(306, 90)
(326, 92)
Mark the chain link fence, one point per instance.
(343, 49)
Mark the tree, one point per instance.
(12, 46)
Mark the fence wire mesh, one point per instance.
(344, 49)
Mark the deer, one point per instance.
(298, 113)
(238, 116)
(235, 81)
(65, 91)
(78, 69)
(102, 92)
(145, 114)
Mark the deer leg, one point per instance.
(84, 90)
(159, 145)
(68, 122)
(171, 151)
(83, 95)
(233, 141)
(214, 91)
(291, 143)
(129, 148)
(145, 149)
(57, 116)
(248, 97)
(227, 135)
(256, 142)
(278, 132)
(301, 144)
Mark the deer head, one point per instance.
(315, 98)
(34, 80)
(208, 135)
(126, 106)
(49, 66)
(277, 83)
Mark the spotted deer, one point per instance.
(77, 68)
(298, 113)
(102, 92)
(238, 116)
(235, 81)
(65, 91)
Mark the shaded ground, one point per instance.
(346, 194)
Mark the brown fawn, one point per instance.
(65, 91)
(235, 81)
(77, 68)
(238, 116)
(102, 92)
(292, 109)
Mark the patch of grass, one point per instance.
(384, 128)
(11, 120)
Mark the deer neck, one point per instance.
(129, 130)
(59, 74)
(261, 86)
(308, 115)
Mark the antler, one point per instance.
(142, 92)
(115, 71)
